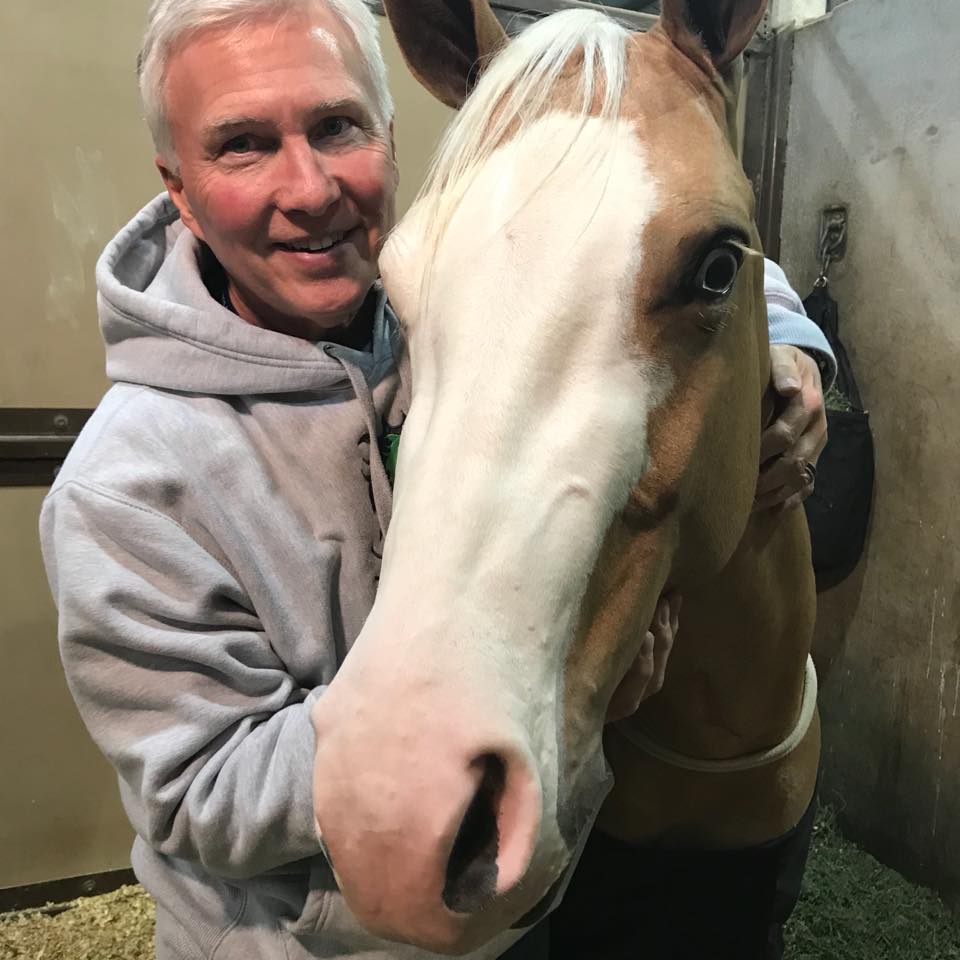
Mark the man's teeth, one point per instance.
(316, 246)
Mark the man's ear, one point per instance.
(712, 32)
(446, 43)
(175, 190)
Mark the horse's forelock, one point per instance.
(518, 86)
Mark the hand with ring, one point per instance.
(791, 446)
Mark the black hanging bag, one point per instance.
(838, 510)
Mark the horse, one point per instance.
(580, 289)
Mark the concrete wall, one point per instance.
(784, 12)
(875, 123)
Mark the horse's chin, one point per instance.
(546, 903)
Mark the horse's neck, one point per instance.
(735, 676)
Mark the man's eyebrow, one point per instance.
(348, 104)
(322, 108)
(223, 127)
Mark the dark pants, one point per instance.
(642, 903)
(534, 945)
(629, 903)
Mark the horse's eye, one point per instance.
(718, 272)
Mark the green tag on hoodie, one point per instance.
(391, 447)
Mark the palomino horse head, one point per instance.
(583, 303)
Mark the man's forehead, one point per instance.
(316, 23)
(236, 69)
(327, 40)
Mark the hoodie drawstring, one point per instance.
(379, 481)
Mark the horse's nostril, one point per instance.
(471, 879)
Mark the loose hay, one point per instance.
(833, 399)
(852, 908)
(114, 926)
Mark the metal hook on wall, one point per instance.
(832, 245)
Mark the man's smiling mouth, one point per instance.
(313, 245)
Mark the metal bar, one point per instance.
(35, 895)
(756, 93)
(535, 9)
(34, 441)
(769, 182)
(540, 8)
(511, 18)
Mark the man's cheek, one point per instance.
(374, 177)
(234, 211)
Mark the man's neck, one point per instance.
(358, 333)
(355, 332)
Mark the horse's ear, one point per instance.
(446, 43)
(712, 31)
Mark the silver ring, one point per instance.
(810, 474)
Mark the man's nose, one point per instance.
(305, 183)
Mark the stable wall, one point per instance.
(77, 165)
(875, 124)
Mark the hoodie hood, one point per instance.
(162, 328)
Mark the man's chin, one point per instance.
(347, 320)
(338, 315)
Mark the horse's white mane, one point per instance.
(515, 90)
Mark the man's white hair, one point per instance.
(169, 21)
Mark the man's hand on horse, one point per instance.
(791, 446)
(645, 676)
(789, 450)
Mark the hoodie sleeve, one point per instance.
(179, 686)
(788, 322)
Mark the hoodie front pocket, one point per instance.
(321, 889)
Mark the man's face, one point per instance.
(283, 170)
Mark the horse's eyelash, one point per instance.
(717, 321)
(744, 249)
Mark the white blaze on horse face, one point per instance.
(531, 396)
(528, 423)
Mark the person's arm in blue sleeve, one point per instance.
(789, 324)
(802, 366)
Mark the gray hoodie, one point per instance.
(212, 543)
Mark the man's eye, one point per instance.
(241, 144)
(335, 126)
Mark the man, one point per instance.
(213, 539)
